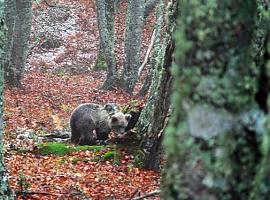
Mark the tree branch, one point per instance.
(156, 192)
(147, 52)
(34, 192)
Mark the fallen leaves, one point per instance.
(58, 175)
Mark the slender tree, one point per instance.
(5, 192)
(217, 142)
(134, 27)
(105, 15)
(19, 20)
(137, 12)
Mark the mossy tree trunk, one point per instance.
(137, 12)
(19, 21)
(105, 17)
(217, 142)
(153, 119)
(5, 192)
(134, 27)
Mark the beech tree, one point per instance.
(217, 141)
(5, 192)
(155, 115)
(105, 16)
(137, 12)
(18, 20)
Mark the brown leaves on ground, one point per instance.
(76, 175)
(44, 105)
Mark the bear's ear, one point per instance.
(127, 117)
(111, 107)
(114, 119)
(108, 107)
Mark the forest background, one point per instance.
(205, 70)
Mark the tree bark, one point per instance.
(134, 27)
(217, 142)
(153, 119)
(20, 28)
(5, 191)
(149, 7)
(137, 12)
(105, 16)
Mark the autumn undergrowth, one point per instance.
(60, 149)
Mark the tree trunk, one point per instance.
(5, 192)
(217, 143)
(153, 118)
(134, 27)
(105, 16)
(10, 15)
(137, 12)
(147, 83)
(149, 7)
(19, 43)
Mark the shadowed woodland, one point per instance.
(177, 95)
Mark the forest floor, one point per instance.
(59, 77)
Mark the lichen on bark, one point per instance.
(214, 143)
(5, 192)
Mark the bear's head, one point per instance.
(118, 122)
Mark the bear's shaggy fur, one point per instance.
(90, 122)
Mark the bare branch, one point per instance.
(156, 192)
(34, 192)
(134, 193)
(147, 52)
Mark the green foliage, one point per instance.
(101, 63)
(139, 158)
(74, 161)
(22, 182)
(66, 108)
(132, 106)
(108, 155)
(113, 154)
(91, 148)
(61, 149)
(54, 148)
(60, 72)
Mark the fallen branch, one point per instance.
(147, 52)
(156, 192)
(51, 5)
(34, 192)
(72, 194)
(134, 193)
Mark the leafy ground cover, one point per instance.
(44, 104)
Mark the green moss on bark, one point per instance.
(217, 141)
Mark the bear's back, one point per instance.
(87, 110)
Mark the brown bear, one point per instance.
(92, 122)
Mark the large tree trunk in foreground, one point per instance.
(217, 143)
(5, 192)
(17, 45)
